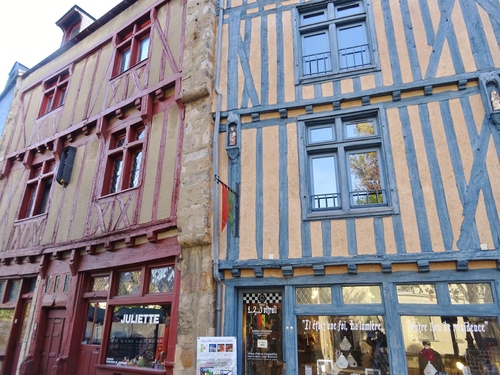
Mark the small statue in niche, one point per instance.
(495, 100)
(232, 135)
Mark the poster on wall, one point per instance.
(216, 356)
(263, 334)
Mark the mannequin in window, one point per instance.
(428, 355)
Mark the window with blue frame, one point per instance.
(345, 164)
(334, 38)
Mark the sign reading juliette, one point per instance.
(216, 356)
(262, 333)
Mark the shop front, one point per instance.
(371, 324)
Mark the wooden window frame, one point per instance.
(331, 26)
(38, 189)
(54, 92)
(130, 40)
(124, 144)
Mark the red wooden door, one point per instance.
(87, 359)
(52, 340)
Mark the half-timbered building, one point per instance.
(360, 140)
(97, 236)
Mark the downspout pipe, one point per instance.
(215, 190)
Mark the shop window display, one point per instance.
(337, 345)
(263, 333)
(138, 336)
(459, 345)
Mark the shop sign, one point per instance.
(216, 356)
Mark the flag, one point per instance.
(227, 208)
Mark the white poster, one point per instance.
(216, 356)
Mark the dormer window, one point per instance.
(74, 21)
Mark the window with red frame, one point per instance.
(54, 93)
(36, 196)
(124, 161)
(132, 45)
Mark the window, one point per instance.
(132, 45)
(138, 325)
(333, 38)
(345, 163)
(54, 93)
(125, 148)
(36, 197)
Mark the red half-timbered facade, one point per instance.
(89, 192)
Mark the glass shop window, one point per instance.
(96, 312)
(139, 335)
(6, 318)
(451, 345)
(342, 345)
(262, 333)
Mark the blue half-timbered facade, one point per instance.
(363, 138)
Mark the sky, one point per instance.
(28, 30)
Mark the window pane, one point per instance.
(321, 134)
(359, 129)
(366, 186)
(161, 280)
(138, 331)
(48, 284)
(353, 48)
(125, 60)
(46, 184)
(100, 284)
(324, 183)
(464, 294)
(67, 279)
(417, 293)
(143, 49)
(32, 195)
(316, 54)
(313, 17)
(56, 283)
(115, 177)
(348, 9)
(94, 323)
(361, 294)
(15, 286)
(48, 106)
(62, 96)
(135, 169)
(314, 295)
(6, 317)
(329, 344)
(445, 340)
(129, 283)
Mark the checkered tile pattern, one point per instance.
(250, 298)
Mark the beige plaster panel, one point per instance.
(288, 58)
(327, 89)
(425, 179)
(448, 178)
(389, 235)
(401, 46)
(463, 37)
(270, 198)
(383, 48)
(365, 236)
(339, 238)
(97, 91)
(83, 173)
(255, 58)
(82, 76)
(407, 208)
(248, 247)
(294, 208)
(272, 67)
(490, 36)
(9, 204)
